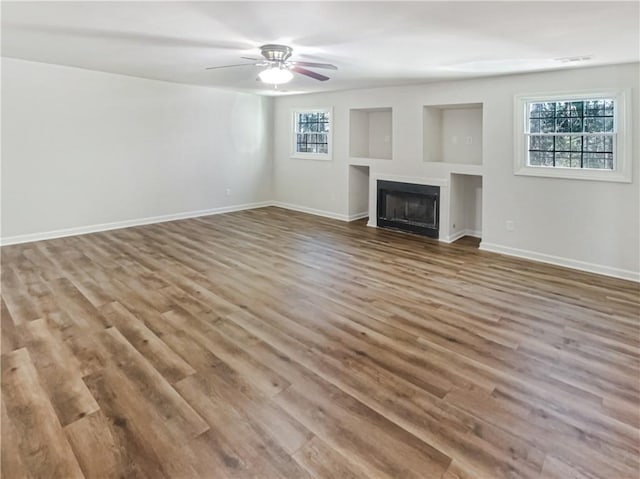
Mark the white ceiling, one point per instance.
(372, 43)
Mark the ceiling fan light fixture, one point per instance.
(275, 75)
(279, 69)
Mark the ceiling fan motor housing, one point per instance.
(279, 68)
(276, 53)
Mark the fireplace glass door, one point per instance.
(409, 207)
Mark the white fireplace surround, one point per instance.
(445, 235)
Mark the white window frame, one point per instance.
(622, 137)
(311, 156)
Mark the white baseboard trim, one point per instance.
(81, 230)
(358, 216)
(28, 238)
(311, 211)
(494, 248)
(326, 214)
(460, 234)
(559, 261)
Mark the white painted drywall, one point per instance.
(359, 134)
(370, 133)
(462, 135)
(457, 205)
(358, 190)
(380, 134)
(81, 148)
(465, 207)
(594, 225)
(473, 205)
(432, 134)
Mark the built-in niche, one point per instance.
(465, 206)
(370, 133)
(453, 133)
(358, 192)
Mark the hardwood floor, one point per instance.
(273, 344)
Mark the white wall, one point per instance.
(359, 134)
(358, 191)
(370, 133)
(586, 224)
(457, 206)
(380, 134)
(473, 205)
(465, 207)
(432, 134)
(460, 125)
(83, 148)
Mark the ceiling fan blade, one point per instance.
(236, 65)
(309, 73)
(254, 59)
(328, 66)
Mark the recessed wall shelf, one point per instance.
(453, 133)
(358, 192)
(465, 206)
(371, 133)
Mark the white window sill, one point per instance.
(302, 156)
(574, 174)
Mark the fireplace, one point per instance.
(409, 207)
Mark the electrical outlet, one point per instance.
(228, 191)
(511, 226)
(468, 140)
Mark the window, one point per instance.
(312, 134)
(573, 136)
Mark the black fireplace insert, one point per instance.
(409, 207)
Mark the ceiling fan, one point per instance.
(279, 67)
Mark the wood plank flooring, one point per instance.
(273, 344)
